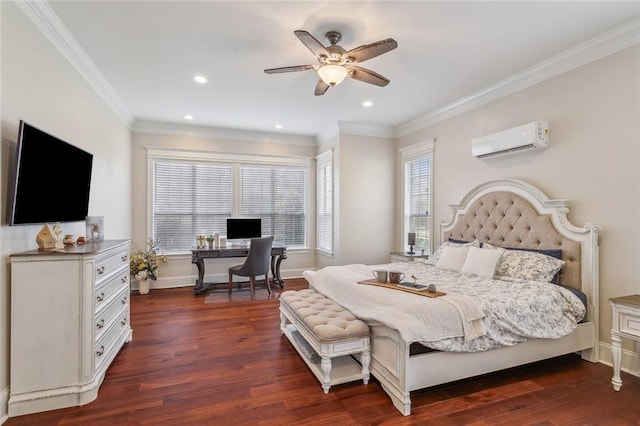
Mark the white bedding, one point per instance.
(476, 314)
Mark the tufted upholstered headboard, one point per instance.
(513, 213)
(506, 219)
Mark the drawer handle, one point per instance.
(123, 301)
(124, 258)
(100, 351)
(100, 297)
(100, 270)
(123, 321)
(100, 324)
(123, 279)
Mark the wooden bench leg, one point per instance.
(325, 365)
(365, 358)
(283, 322)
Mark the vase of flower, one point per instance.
(210, 240)
(144, 265)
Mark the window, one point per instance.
(192, 197)
(324, 221)
(277, 196)
(189, 199)
(417, 166)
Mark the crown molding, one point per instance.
(45, 19)
(591, 50)
(350, 128)
(163, 128)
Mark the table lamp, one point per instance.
(411, 241)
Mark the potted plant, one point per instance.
(210, 239)
(144, 265)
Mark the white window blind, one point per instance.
(195, 195)
(417, 202)
(189, 199)
(324, 222)
(276, 195)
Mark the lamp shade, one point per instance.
(332, 74)
(411, 238)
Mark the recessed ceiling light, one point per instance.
(188, 117)
(200, 79)
(367, 104)
(278, 126)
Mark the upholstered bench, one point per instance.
(326, 336)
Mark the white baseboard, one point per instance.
(4, 404)
(189, 280)
(630, 359)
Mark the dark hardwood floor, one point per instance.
(217, 360)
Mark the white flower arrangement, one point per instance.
(144, 263)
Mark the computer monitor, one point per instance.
(241, 229)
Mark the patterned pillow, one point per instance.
(526, 265)
(433, 259)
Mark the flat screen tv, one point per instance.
(243, 229)
(51, 179)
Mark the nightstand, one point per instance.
(403, 256)
(625, 324)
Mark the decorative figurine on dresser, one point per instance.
(69, 320)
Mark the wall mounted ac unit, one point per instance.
(534, 135)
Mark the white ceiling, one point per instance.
(149, 52)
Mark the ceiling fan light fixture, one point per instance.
(332, 74)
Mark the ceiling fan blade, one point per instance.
(289, 69)
(321, 88)
(368, 51)
(312, 44)
(367, 76)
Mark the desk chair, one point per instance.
(256, 263)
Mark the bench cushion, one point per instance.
(327, 320)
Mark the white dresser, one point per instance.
(69, 319)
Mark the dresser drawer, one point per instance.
(109, 265)
(107, 289)
(108, 341)
(630, 323)
(106, 316)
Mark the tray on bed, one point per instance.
(406, 289)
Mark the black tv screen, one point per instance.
(242, 229)
(51, 180)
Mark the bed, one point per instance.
(502, 213)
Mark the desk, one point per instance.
(278, 254)
(626, 324)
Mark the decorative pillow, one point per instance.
(433, 259)
(526, 265)
(452, 258)
(482, 263)
(453, 240)
(556, 253)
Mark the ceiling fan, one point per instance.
(335, 63)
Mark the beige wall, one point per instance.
(364, 208)
(593, 159)
(179, 271)
(39, 86)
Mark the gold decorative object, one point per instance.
(46, 239)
